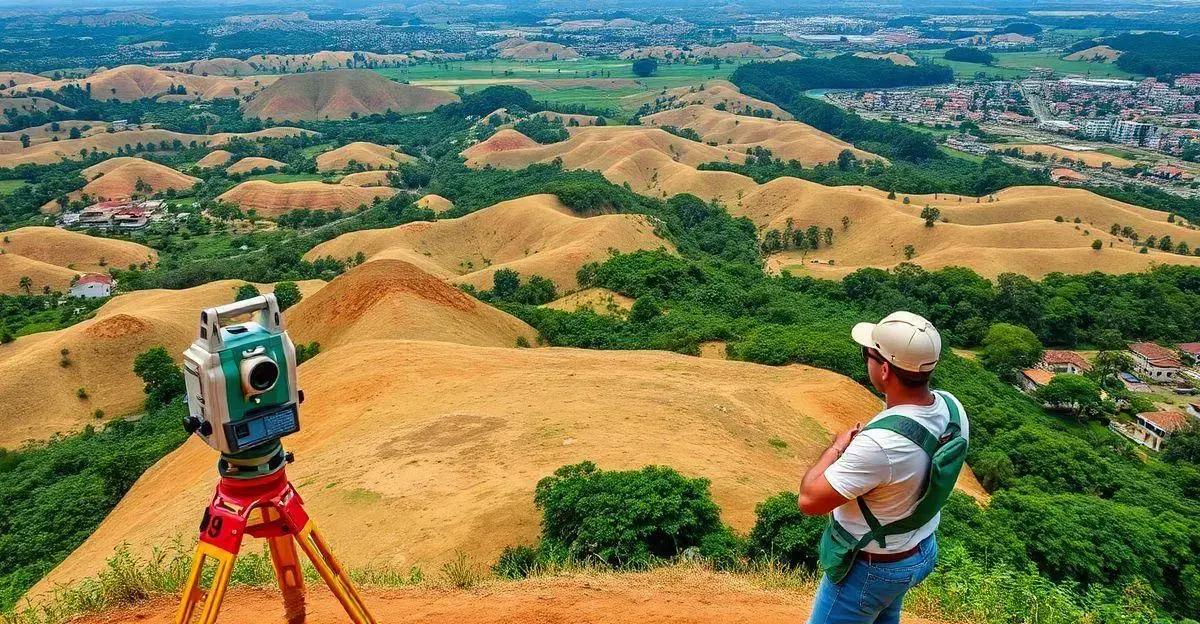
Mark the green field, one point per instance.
(8, 186)
(580, 81)
(1017, 65)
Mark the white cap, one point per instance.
(909, 341)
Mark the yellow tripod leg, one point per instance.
(333, 574)
(193, 592)
(288, 572)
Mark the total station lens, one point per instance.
(263, 375)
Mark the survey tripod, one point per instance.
(265, 506)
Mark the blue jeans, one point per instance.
(872, 593)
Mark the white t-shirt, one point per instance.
(888, 471)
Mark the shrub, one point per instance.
(163, 379)
(625, 518)
(287, 294)
(785, 534)
(516, 562)
(645, 67)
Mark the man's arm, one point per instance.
(817, 496)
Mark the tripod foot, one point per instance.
(317, 549)
(192, 593)
(290, 577)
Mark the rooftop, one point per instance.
(1157, 355)
(1190, 348)
(94, 278)
(1167, 421)
(1053, 357)
(1038, 376)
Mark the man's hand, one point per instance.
(843, 439)
(817, 497)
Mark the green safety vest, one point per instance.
(947, 455)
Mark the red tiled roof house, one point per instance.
(1155, 362)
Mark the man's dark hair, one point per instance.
(912, 379)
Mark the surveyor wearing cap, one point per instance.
(885, 483)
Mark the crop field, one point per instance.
(8, 186)
(280, 178)
(599, 83)
(1017, 64)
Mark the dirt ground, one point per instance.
(653, 598)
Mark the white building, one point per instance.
(1098, 128)
(92, 286)
(1155, 362)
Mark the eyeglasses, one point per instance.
(870, 354)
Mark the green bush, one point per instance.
(625, 518)
(516, 562)
(163, 379)
(784, 534)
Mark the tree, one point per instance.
(645, 309)
(287, 294)
(246, 291)
(1183, 445)
(25, 284)
(1008, 349)
(162, 378)
(1097, 244)
(930, 214)
(909, 252)
(624, 518)
(645, 67)
(1074, 392)
(505, 283)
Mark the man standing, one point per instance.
(886, 483)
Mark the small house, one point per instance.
(1034, 378)
(92, 286)
(1155, 362)
(1151, 429)
(1064, 362)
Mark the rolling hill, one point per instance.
(524, 50)
(534, 235)
(254, 163)
(340, 94)
(128, 83)
(368, 155)
(52, 257)
(595, 147)
(392, 299)
(117, 178)
(451, 439)
(38, 393)
(717, 94)
(49, 152)
(272, 199)
(11, 107)
(366, 178)
(787, 140)
(215, 158)
(1017, 230)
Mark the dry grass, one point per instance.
(273, 199)
(254, 163)
(598, 300)
(450, 441)
(117, 178)
(215, 158)
(58, 255)
(38, 393)
(393, 299)
(535, 235)
(369, 155)
(340, 94)
(787, 140)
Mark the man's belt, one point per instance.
(871, 557)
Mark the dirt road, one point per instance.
(655, 598)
